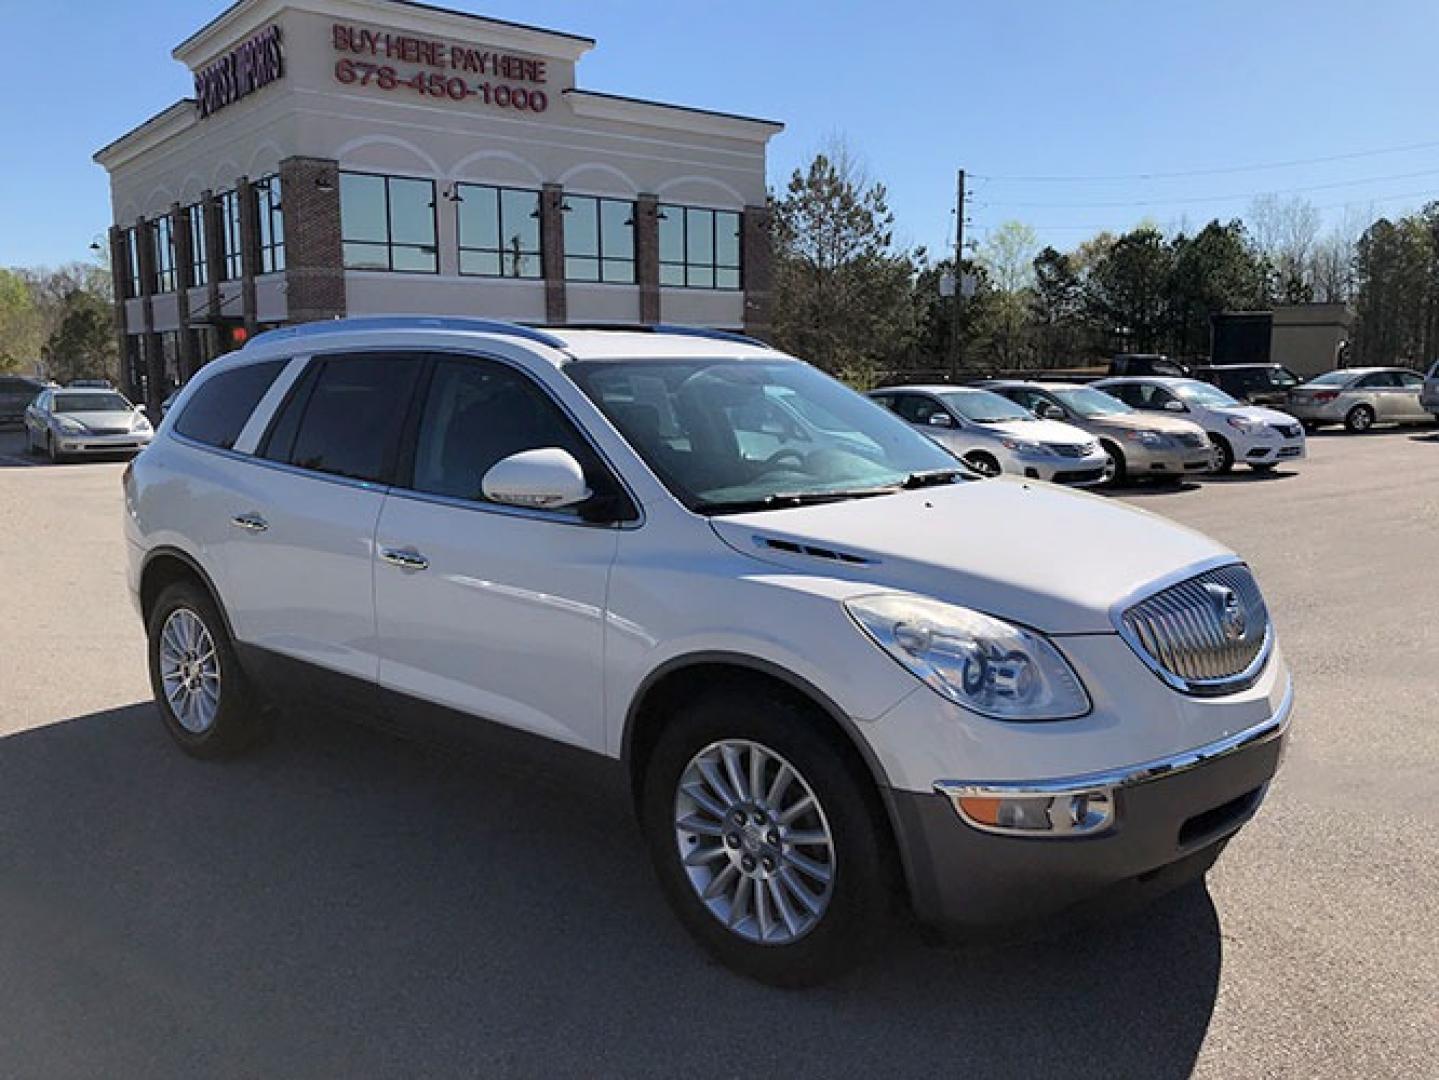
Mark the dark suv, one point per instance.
(1147, 364)
(1255, 384)
(16, 393)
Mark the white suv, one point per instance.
(838, 670)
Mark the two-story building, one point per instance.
(350, 157)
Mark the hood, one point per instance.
(1045, 431)
(1169, 425)
(109, 418)
(1256, 412)
(1048, 557)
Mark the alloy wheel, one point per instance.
(755, 843)
(190, 671)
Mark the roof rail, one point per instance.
(410, 322)
(706, 332)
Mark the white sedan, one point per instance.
(1249, 434)
(993, 435)
(63, 423)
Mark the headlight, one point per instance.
(1248, 427)
(986, 665)
(1022, 446)
(1146, 438)
(69, 427)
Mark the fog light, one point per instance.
(1067, 814)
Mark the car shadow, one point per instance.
(1242, 474)
(1144, 489)
(344, 902)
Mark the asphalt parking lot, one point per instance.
(344, 903)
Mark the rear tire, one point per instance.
(739, 825)
(204, 696)
(1359, 419)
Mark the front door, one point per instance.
(488, 609)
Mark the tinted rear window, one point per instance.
(217, 412)
(346, 417)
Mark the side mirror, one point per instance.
(939, 419)
(548, 479)
(1174, 406)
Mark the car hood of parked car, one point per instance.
(1169, 425)
(1034, 553)
(109, 418)
(1257, 413)
(1044, 431)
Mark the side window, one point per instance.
(1032, 400)
(1125, 392)
(1410, 380)
(345, 416)
(1378, 380)
(478, 412)
(916, 408)
(217, 412)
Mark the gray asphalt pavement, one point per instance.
(344, 903)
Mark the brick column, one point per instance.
(214, 255)
(249, 251)
(184, 257)
(122, 286)
(647, 257)
(154, 357)
(552, 253)
(757, 256)
(314, 256)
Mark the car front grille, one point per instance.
(108, 431)
(1289, 431)
(1209, 634)
(1071, 450)
(1192, 440)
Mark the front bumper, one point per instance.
(1171, 817)
(1075, 472)
(1141, 460)
(103, 444)
(1270, 451)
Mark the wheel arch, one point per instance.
(166, 565)
(644, 721)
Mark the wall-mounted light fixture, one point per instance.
(324, 184)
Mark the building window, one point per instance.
(272, 224)
(132, 263)
(163, 230)
(199, 245)
(388, 223)
(699, 249)
(499, 231)
(230, 264)
(599, 239)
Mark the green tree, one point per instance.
(1398, 289)
(844, 293)
(20, 325)
(1007, 256)
(1057, 309)
(1126, 290)
(1217, 269)
(83, 344)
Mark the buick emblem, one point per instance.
(1233, 619)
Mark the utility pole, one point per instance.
(955, 344)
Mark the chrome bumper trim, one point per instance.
(1266, 731)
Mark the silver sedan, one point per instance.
(1359, 398)
(65, 423)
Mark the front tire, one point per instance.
(1223, 454)
(765, 838)
(204, 696)
(1359, 419)
(1118, 468)
(53, 454)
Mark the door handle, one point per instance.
(250, 522)
(405, 558)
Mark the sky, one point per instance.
(1335, 98)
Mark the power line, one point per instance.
(1190, 200)
(1225, 171)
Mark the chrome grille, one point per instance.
(1072, 450)
(1209, 634)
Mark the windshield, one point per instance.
(1332, 378)
(99, 401)
(984, 407)
(1201, 393)
(726, 435)
(1087, 402)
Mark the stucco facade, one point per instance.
(300, 93)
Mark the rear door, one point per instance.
(300, 530)
(1381, 390)
(1411, 387)
(494, 610)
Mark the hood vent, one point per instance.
(791, 547)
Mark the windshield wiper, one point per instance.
(784, 500)
(931, 478)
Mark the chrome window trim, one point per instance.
(1267, 730)
(281, 466)
(485, 507)
(1230, 684)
